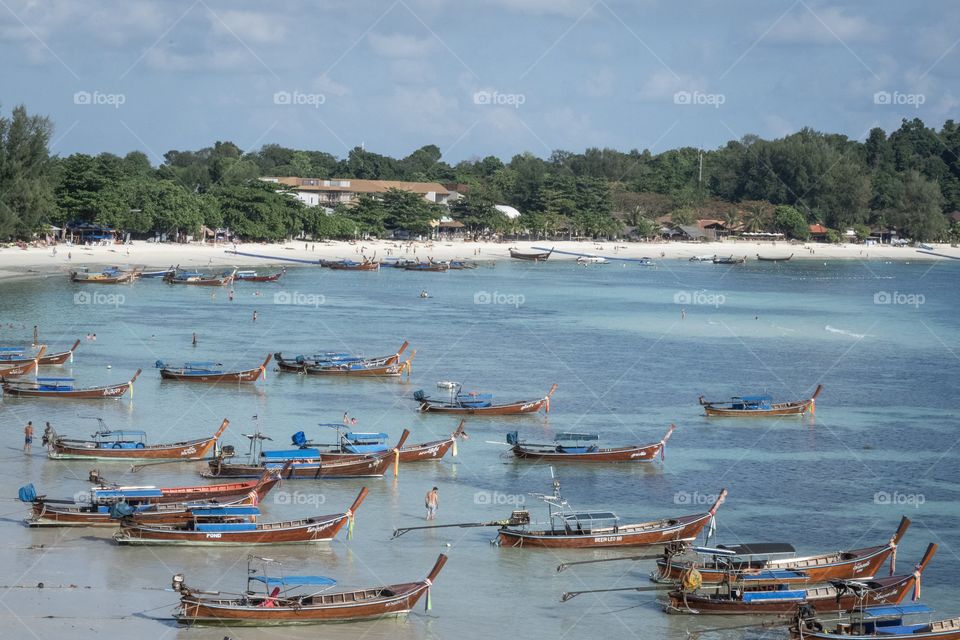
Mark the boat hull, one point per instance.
(370, 466)
(18, 370)
(320, 529)
(686, 528)
(646, 453)
(59, 358)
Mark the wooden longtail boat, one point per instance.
(353, 445)
(59, 358)
(128, 445)
(481, 404)
(163, 273)
(107, 276)
(320, 362)
(539, 256)
(435, 449)
(206, 372)
(575, 447)
(855, 564)
(63, 513)
(199, 279)
(62, 388)
(95, 509)
(350, 265)
(595, 529)
(729, 260)
(429, 265)
(197, 531)
(10, 356)
(17, 370)
(304, 465)
(760, 406)
(773, 258)
(364, 368)
(874, 622)
(253, 276)
(282, 604)
(762, 594)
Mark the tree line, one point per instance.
(907, 180)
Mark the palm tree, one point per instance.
(757, 216)
(731, 218)
(683, 217)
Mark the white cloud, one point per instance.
(601, 83)
(662, 85)
(569, 8)
(328, 86)
(398, 45)
(250, 27)
(778, 126)
(818, 25)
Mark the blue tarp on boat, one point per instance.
(227, 526)
(295, 581)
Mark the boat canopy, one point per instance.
(225, 511)
(772, 576)
(295, 581)
(750, 549)
(567, 437)
(55, 379)
(120, 434)
(896, 611)
(590, 516)
(201, 365)
(290, 454)
(365, 437)
(754, 399)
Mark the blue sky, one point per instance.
(474, 77)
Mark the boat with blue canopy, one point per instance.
(210, 372)
(62, 387)
(113, 444)
(582, 447)
(901, 621)
(753, 406)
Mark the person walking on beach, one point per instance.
(27, 437)
(431, 502)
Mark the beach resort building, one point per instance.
(328, 193)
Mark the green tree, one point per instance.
(790, 222)
(409, 211)
(26, 181)
(917, 211)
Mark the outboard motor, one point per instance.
(227, 451)
(513, 438)
(419, 395)
(27, 493)
(121, 510)
(159, 364)
(299, 439)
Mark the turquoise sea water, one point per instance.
(631, 349)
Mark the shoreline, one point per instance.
(39, 262)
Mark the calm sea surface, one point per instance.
(883, 442)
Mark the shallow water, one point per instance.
(627, 365)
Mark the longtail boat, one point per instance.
(198, 530)
(61, 357)
(199, 279)
(352, 444)
(94, 508)
(351, 265)
(539, 256)
(429, 265)
(306, 464)
(729, 260)
(254, 276)
(763, 258)
(318, 363)
(128, 445)
(10, 356)
(578, 447)
(760, 406)
(875, 622)
(160, 273)
(208, 372)
(284, 602)
(62, 388)
(17, 370)
(715, 565)
(56, 513)
(480, 403)
(763, 594)
(112, 275)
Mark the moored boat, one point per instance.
(58, 358)
(763, 258)
(283, 602)
(579, 447)
(208, 372)
(882, 621)
(353, 444)
(128, 445)
(334, 363)
(10, 356)
(538, 256)
(760, 406)
(62, 388)
(110, 275)
(199, 279)
(17, 370)
(352, 265)
(729, 260)
(256, 276)
(480, 404)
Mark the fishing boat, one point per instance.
(17, 370)
(763, 594)
(62, 388)
(875, 622)
(284, 599)
(65, 514)
(300, 464)
(327, 363)
(92, 508)
(538, 256)
(242, 530)
(378, 368)
(460, 265)
(61, 357)
(199, 279)
(480, 403)
(729, 260)
(163, 273)
(108, 444)
(353, 444)
(717, 564)
(763, 258)
(254, 276)
(110, 275)
(208, 372)
(709, 258)
(592, 260)
(760, 406)
(10, 356)
(352, 265)
(430, 265)
(579, 447)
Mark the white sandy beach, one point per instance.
(41, 261)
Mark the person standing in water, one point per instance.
(27, 437)
(431, 502)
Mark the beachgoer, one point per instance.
(36, 335)
(254, 316)
(27, 437)
(431, 502)
(346, 418)
(194, 339)
(47, 434)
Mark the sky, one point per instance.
(476, 78)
